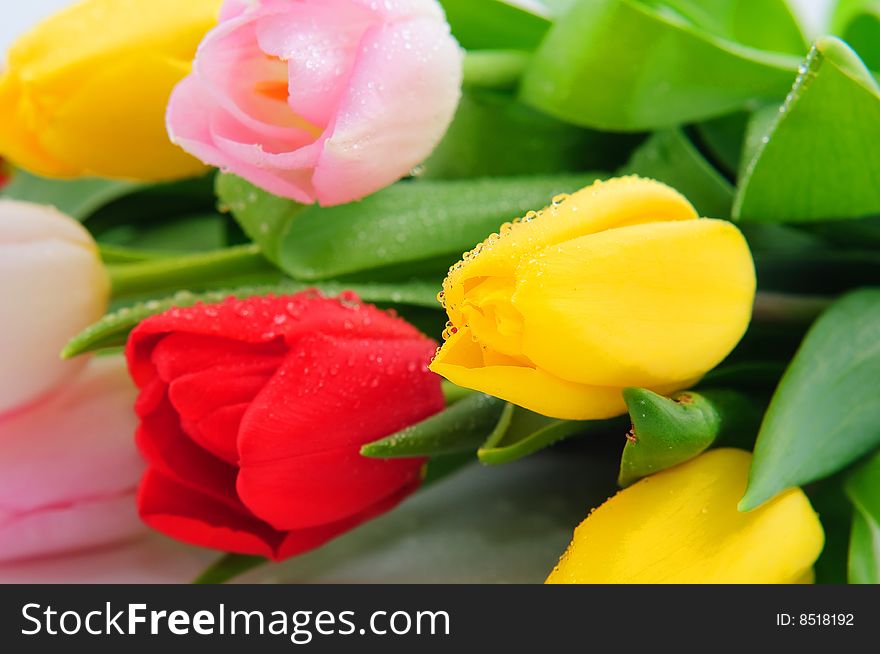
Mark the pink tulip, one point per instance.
(69, 466)
(326, 100)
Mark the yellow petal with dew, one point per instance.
(643, 305)
(682, 526)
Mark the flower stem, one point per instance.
(228, 567)
(498, 70)
(186, 271)
(784, 308)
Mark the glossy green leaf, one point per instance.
(496, 70)
(668, 431)
(825, 413)
(521, 432)
(460, 427)
(670, 157)
(858, 23)
(818, 159)
(411, 227)
(629, 65)
(112, 330)
(863, 565)
(77, 198)
(863, 489)
(765, 25)
(495, 135)
(723, 138)
(494, 24)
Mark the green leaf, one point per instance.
(858, 23)
(494, 24)
(112, 330)
(495, 135)
(863, 489)
(628, 65)
(458, 428)
(670, 157)
(765, 25)
(200, 232)
(723, 138)
(863, 566)
(412, 227)
(77, 198)
(668, 431)
(521, 432)
(497, 70)
(817, 160)
(825, 413)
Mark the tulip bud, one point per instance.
(682, 526)
(69, 466)
(326, 100)
(253, 413)
(54, 285)
(84, 92)
(616, 285)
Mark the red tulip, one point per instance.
(253, 413)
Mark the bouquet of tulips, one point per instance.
(278, 275)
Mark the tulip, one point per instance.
(618, 285)
(326, 100)
(84, 92)
(69, 467)
(682, 526)
(54, 284)
(253, 413)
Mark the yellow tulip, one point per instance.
(682, 526)
(84, 92)
(617, 285)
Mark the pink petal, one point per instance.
(69, 527)
(401, 97)
(76, 444)
(319, 43)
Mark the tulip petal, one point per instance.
(394, 110)
(464, 362)
(302, 540)
(332, 28)
(172, 454)
(637, 306)
(92, 134)
(218, 431)
(183, 513)
(682, 526)
(76, 444)
(69, 527)
(286, 442)
(295, 492)
(603, 205)
(60, 287)
(265, 319)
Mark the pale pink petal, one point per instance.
(73, 527)
(319, 43)
(76, 445)
(53, 286)
(396, 9)
(232, 69)
(401, 97)
(148, 559)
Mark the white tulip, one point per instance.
(52, 285)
